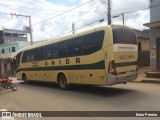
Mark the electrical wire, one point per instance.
(62, 13)
(90, 1)
(28, 4)
(30, 8)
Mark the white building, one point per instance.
(7, 52)
(154, 38)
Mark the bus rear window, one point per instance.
(123, 35)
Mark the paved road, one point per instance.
(48, 97)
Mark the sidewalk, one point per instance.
(142, 76)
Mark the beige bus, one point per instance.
(105, 55)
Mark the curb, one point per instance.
(150, 81)
(147, 81)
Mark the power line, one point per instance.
(31, 8)
(30, 28)
(114, 14)
(23, 10)
(140, 9)
(28, 4)
(62, 13)
(70, 31)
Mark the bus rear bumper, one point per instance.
(112, 79)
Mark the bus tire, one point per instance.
(62, 82)
(24, 78)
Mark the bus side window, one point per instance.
(70, 48)
(24, 57)
(32, 53)
(78, 46)
(18, 57)
(98, 40)
(63, 49)
(42, 53)
(92, 42)
(55, 50)
(87, 44)
(28, 56)
(36, 54)
(48, 52)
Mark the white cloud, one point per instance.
(45, 9)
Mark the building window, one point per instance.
(13, 49)
(3, 50)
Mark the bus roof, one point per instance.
(55, 40)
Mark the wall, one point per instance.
(9, 39)
(6, 58)
(154, 11)
(18, 45)
(1, 37)
(2, 67)
(22, 44)
(143, 38)
(144, 44)
(154, 34)
(143, 47)
(8, 46)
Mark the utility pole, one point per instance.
(123, 18)
(109, 12)
(73, 28)
(30, 26)
(108, 9)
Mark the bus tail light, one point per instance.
(112, 68)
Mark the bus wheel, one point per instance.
(25, 79)
(62, 82)
(13, 86)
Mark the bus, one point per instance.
(105, 55)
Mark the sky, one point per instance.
(49, 20)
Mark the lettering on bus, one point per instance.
(77, 61)
(126, 47)
(126, 57)
(130, 56)
(122, 57)
(35, 64)
(67, 61)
